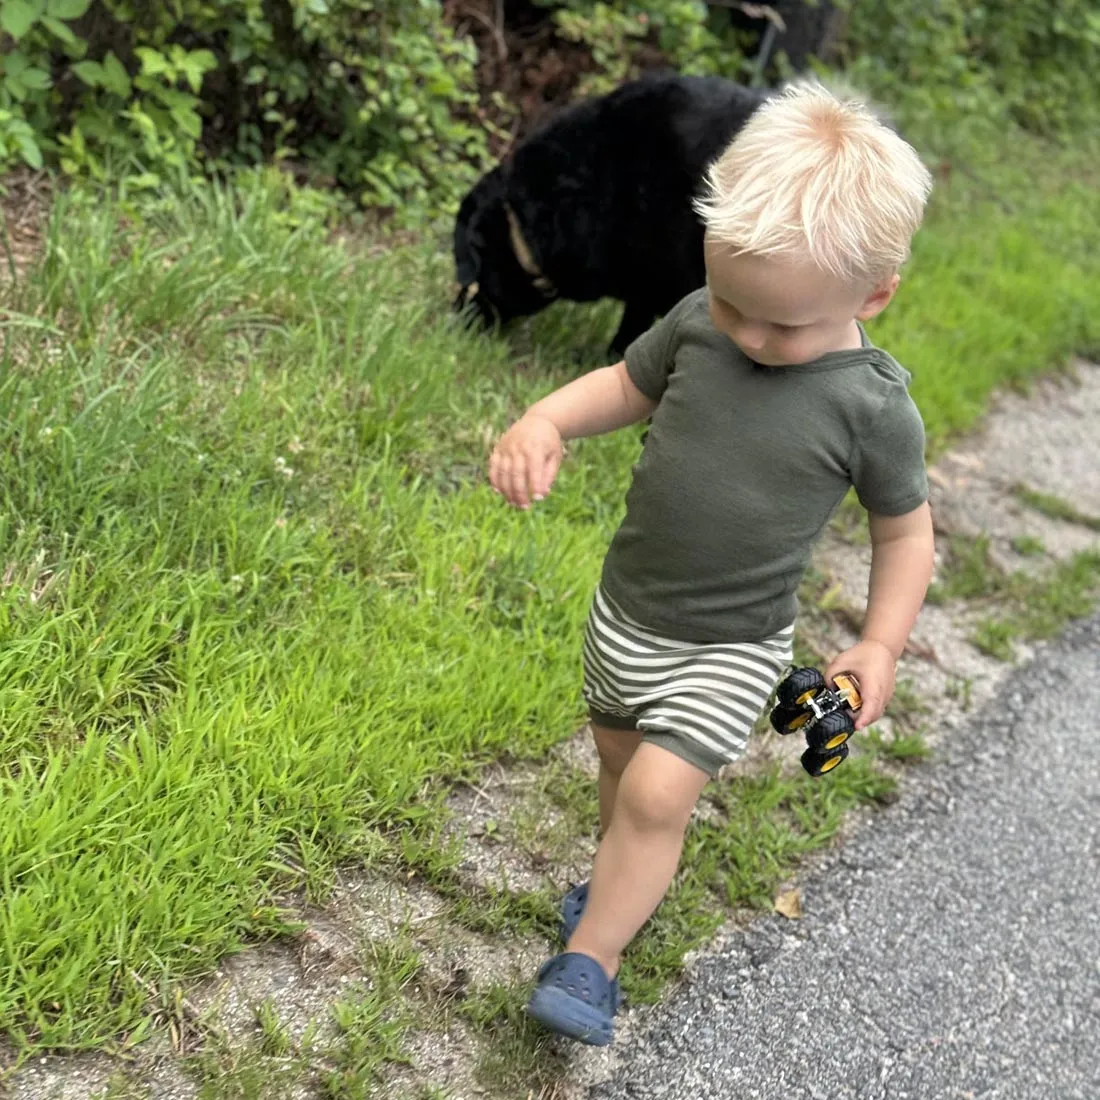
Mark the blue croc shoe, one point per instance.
(572, 906)
(575, 998)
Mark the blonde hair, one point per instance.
(817, 175)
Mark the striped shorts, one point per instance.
(698, 700)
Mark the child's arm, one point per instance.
(902, 549)
(526, 458)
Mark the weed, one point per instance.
(968, 573)
(909, 703)
(995, 637)
(520, 1057)
(560, 810)
(372, 1023)
(274, 1038)
(961, 689)
(1028, 546)
(243, 1073)
(1039, 606)
(496, 909)
(1055, 507)
(905, 746)
(120, 1087)
(850, 521)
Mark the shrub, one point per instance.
(376, 94)
(1032, 62)
(691, 36)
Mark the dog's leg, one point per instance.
(637, 317)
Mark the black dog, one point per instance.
(597, 204)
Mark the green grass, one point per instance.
(370, 1039)
(969, 573)
(1024, 605)
(1038, 607)
(259, 607)
(903, 747)
(218, 672)
(977, 309)
(1028, 546)
(523, 1058)
(371, 1020)
(1055, 507)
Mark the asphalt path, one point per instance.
(949, 951)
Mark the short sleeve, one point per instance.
(650, 358)
(887, 465)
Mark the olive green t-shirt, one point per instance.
(741, 470)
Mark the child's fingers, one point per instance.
(500, 472)
(517, 481)
(495, 478)
(544, 473)
(867, 714)
(502, 475)
(874, 703)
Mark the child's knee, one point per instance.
(652, 811)
(658, 794)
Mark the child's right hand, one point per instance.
(525, 460)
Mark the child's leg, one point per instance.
(615, 747)
(640, 850)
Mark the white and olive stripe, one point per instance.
(700, 700)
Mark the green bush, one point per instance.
(1043, 58)
(376, 94)
(695, 38)
(1031, 62)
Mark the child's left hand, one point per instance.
(872, 664)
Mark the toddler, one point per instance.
(768, 402)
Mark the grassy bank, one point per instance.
(258, 605)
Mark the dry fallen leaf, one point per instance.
(971, 462)
(788, 903)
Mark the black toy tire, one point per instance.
(831, 732)
(786, 720)
(800, 685)
(820, 763)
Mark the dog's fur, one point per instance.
(597, 204)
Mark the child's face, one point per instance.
(780, 313)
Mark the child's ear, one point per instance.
(879, 298)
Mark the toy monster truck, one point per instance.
(824, 714)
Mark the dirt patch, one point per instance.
(25, 199)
